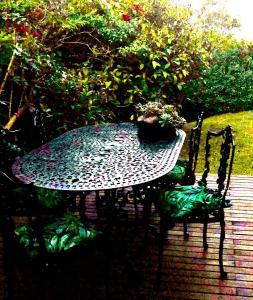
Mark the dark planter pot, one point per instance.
(154, 131)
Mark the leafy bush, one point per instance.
(74, 58)
(49, 198)
(227, 86)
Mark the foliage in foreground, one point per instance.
(75, 58)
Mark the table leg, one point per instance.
(147, 205)
(81, 206)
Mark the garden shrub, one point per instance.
(227, 85)
(74, 58)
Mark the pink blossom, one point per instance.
(44, 150)
(37, 34)
(77, 142)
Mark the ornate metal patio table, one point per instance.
(98, 158)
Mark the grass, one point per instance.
(242, 124)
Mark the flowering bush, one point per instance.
(74, 58)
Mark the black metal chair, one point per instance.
(184, 171)
(47, 231)
(198, 203)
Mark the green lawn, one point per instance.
(242, 124)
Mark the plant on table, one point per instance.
(164, 114)
(158, 121)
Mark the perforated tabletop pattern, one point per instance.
(98, 158)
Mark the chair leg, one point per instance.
(223, 274)
(147, 205)
(162, 237)
(8, 246)
(135, 191)
(100, 199)
(139, 193)
(82, 206)
(205, 244)
(186, 234)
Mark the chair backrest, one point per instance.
(194, 141)
(33, 128)
(227, 151)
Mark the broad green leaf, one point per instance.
(141, 66)
(184, 72)
(165, 30)
(168, 51)
(116, 79)
(85, 72)
(155, 64)
(165, 74)
(175, 78)
(108, 83)
(179, 86)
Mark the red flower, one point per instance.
(136, 6)
(8, 22)
(39, 13)
(126, 17)
(30, 14)
(37, 34)
(23, 30)
(36, 13)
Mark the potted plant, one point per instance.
(158, 121)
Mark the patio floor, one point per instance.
(125, 272)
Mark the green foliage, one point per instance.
(49, 198)
(110, 27)
(78, 57)
(227, 86)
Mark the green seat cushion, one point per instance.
(188, 201)
(61, 235)
(177, 173)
